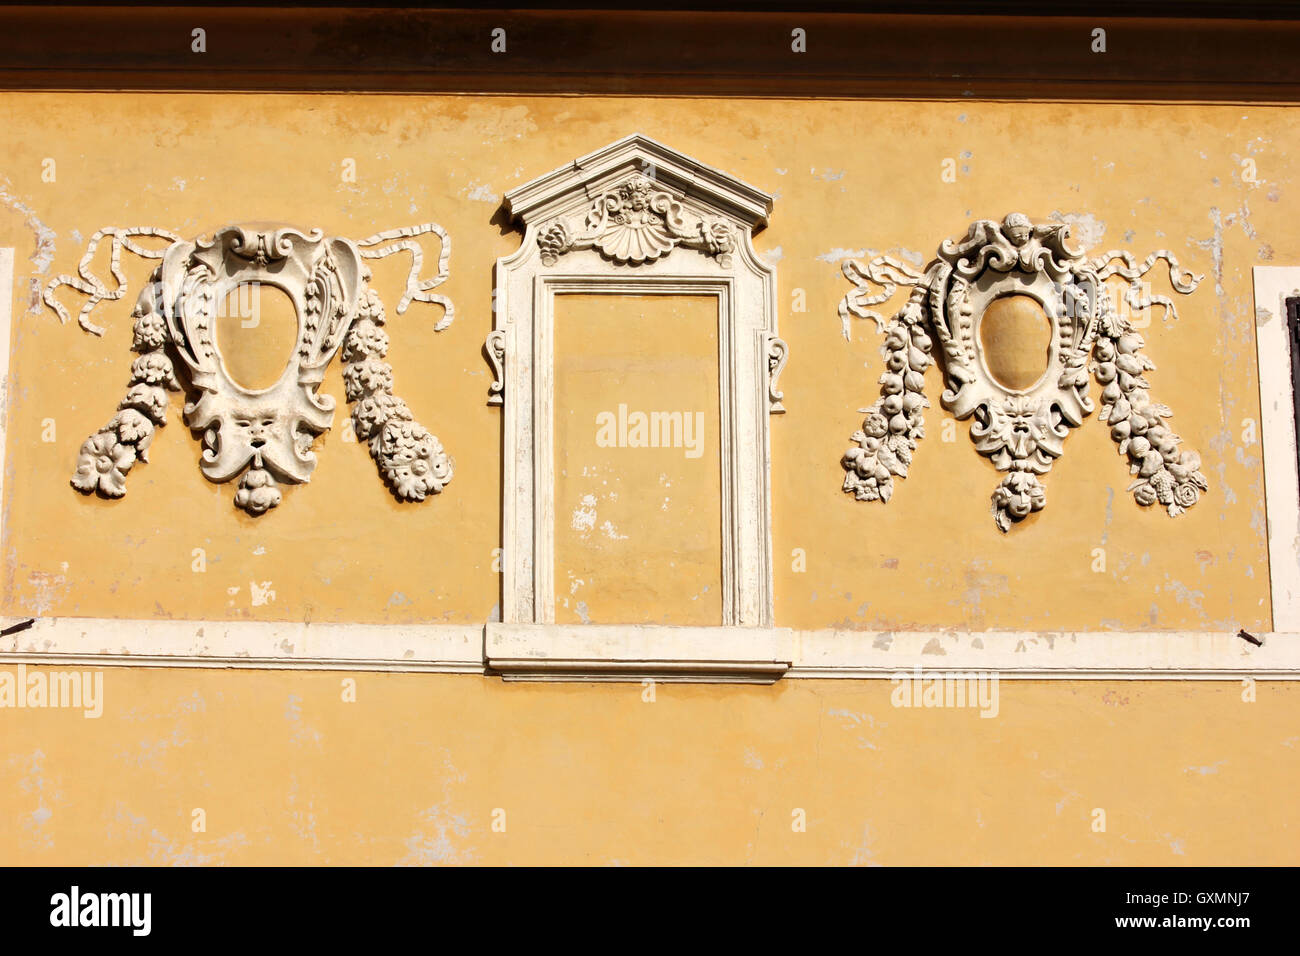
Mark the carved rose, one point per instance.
(102, 465)
(1186, 495)
(715, 237)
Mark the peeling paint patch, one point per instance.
(436, 842)
(480, 192)
(1085, 228)
(302, 733)
(863, 855)
(851, 720)
(49, 588)
(34, 782)
(838, 255)
(584, 516)
(43, 254)
(611, 532)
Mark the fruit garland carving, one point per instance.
(1022, 431)
(264, 436)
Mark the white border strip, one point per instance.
(6, 323)
(105, 641)
(1065, 655)
(632, 653)
(1273, 284)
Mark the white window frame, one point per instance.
(1273, 286)
(749, 352)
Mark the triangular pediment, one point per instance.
(579, 183)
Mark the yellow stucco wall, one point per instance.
(286, 771)
(412, 772)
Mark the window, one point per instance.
(1276, 288)
(634, 219)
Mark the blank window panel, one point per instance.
(638, 496)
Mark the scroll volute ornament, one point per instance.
(263, 435)
(637, 221)
(1022, 429)
(270, 429)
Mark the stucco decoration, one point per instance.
(1021, 430)
(263, 436)
(635, 218)
(636, 221)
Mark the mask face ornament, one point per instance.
(271, 430)
(265, 436)
(978, 299)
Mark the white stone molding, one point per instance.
(264, 435)
(1273, 286)
(1022, 430)
(276, 645)
(635, 218)
(6, 321)
(669, 654)
(594, 652)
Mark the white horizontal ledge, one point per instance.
(256, 644)
(1072, 655)
(634, 652)
(611, 652)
